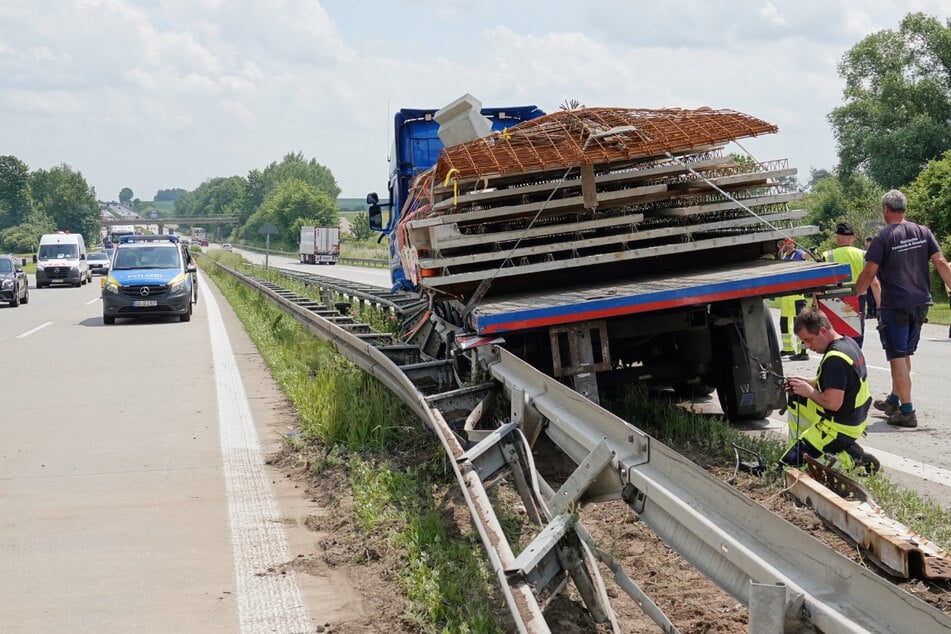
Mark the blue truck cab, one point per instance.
(416, 147)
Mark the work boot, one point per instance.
(870, 463)
(787, 353)
(800, 356)
(884, 405)
(900, 419)
(862, 460)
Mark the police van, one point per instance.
(151, 276)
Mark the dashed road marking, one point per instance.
(34, 330)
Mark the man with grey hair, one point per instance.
(899, 256)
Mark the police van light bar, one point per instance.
(144, 238)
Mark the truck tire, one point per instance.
(733, 369)
(108, 319)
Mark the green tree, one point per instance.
(64, 195)
(25, 237)
(831, 200)
(16, 197)
(293, 204)
(125, 195)
(360, 227)
(929, 197)
(168, 194)
(221, 196)
(897, 101)
(260, 184)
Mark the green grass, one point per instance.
(368, 250)
(395, 468)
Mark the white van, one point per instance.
(61, 259)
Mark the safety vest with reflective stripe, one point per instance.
(862, 396)
(853, 256)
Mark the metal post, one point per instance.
(267, 249)
(767, 607)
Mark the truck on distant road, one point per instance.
(606, 246)
(319, 245)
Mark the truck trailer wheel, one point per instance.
(743, 394)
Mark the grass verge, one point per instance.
(394, 468)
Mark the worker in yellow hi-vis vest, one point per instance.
(828, 413)
(847, 314)
(790, 306)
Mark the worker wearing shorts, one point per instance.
(900, 255)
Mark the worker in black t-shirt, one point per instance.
(828, 413)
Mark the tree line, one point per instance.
(289, 194)
(43, 201)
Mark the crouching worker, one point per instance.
(828, 413)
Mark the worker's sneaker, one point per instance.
(800, 356)
(886, 406)
(900, 419)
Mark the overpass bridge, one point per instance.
(206, 222)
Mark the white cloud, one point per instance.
(154, 95)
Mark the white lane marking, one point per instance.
(889, 460)
(913, 467)
(266, 602)
(94, 300)
(33, 330)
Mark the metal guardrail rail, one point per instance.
(374, 262)
(789, 580)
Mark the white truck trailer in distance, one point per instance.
(319, 245)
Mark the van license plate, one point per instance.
(140, 303)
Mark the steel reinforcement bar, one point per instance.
(788, 579)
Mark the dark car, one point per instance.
(14, 284)
(150, 277)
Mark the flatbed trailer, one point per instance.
(693, 331)
(529, 309)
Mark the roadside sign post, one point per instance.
(267, 230)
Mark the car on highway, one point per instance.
(14, 283)
(225, 247)
(98, 263)
(150, 277)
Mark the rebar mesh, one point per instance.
(595, 136)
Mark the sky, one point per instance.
(163, 94)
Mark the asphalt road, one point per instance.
(134, 494)
(918, 458)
